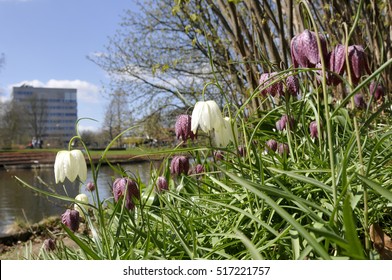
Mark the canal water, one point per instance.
(21, 204)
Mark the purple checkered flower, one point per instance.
(183, 128)
(128, 188)
(179, 165)
(71, 219)
(357, 63)
(268, 78)
(304, 49)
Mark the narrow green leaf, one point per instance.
(377, 187)
(284, 214)
(85, 248)
(354, 249)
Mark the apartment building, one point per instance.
(48, 115)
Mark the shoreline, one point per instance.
(45, 159)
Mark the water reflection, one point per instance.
(18, 203)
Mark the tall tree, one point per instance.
(167, 52)
(117, 116)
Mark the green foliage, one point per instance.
(316, 200)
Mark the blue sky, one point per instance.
(46, 42)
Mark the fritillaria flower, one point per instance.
(218, 155)
(241, 151)
(71, 219)
(207, 115)
(161, 184)
(49, 244)
(359, 101)
(283, 149)
(337, 59)
(90, 186)
(225, 134)
(70, 164)
(268, 78)
(183, 128)
(357, 63)
(313, 129)
(197, 169)
(304, 49)
(284, 120)
(179, 165)
(271, 145)
(82, 198)
(377, 90)
(292, 85)
(128, 188)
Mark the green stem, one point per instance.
(356, 129)
(326, 105)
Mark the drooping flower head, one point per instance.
(161, 184)
(292, 85)
(377, 90)
(183, 128)
(268, 78)
(359, 101)
(304, 49)
(271, 145)
(70, 164)
(197, 170)
(313, 129)
(283, 149)
(90, 186)
(78, 207)
(128, 188)
(179, 165)
(71, 219)
(225, 134)
(357, 63)
(218, 155)
(335, 63)
(207, 116)
(284, 121)
(49, 244)
(242, 151)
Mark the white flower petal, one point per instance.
(59, 173)
(79, 163)
(196, 115)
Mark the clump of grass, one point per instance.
(312, 198)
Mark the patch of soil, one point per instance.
(21, 241)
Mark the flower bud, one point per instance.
(218, 155)
(49, 244)
(359, 101)
(128, 188)
(90, 186)
(268, 78)
(284, 120)
(197, 170)
(241, 151)
(283, 149)
(71, 219)
(161, 184)
(313, 129)
(179, 164)
(78, 207)
(357, 63)
(271, 145)
(304, 49)
(183, 128)
(377, 90)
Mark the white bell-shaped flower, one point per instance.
(225, 134)
(70, 164)
(81, 208)
(207, 115)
